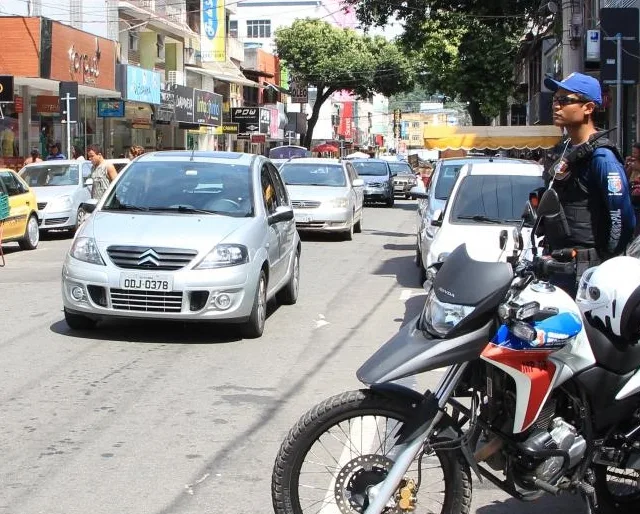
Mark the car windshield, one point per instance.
(493, 198)
(48, 175)
(376, 169)
(308, 174)
(400, 167)
(446, 180)
(185, 187)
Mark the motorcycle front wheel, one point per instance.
(345, 445)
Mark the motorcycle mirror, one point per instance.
(518, 243)
(504, 236)
(529, 214)
(549, 204)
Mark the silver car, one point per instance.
(186, 236)
(327, 195)
(60, 190)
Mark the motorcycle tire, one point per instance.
(346, 406)
(610, 503)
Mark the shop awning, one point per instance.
(491, 138)
(226, 72)
(52, 86)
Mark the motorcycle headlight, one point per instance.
(85, 249)
(62, 203)
(438, 318)
(223, 256)
(340, 203)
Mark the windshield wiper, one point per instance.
(479, 217)
(124, 207)
(181, 208)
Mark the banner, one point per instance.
(212, 31)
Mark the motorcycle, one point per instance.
(532, 398)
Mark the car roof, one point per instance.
(513, 167)
(199, 155)
(481, 158)
(370, 160)
(314, 160)
(55, 162)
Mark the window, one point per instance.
(307, 174)
(13, 186)
(258, 28)
(415, 138)
(446, 179)
(416, 124)
(281, 190)
(233, 28)
(268, 191)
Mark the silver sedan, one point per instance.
(185, 236)
(327, 195)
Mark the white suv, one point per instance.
(486, 198)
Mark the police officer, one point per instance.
(590, 181)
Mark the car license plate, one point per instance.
(146, 282)
(303, 218)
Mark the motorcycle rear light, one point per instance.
(523, 331)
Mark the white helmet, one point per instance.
(609, 297)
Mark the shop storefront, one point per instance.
(207, 114)
(254, 124)
(43, 53)
(140, 90)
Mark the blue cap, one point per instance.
(578, 83)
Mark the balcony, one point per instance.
(235, 49)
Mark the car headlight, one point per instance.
(438, 318)
(339, 203)
(85, 249)
(62, 203)
(225, 255)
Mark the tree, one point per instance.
(466, 48)
(334, 59)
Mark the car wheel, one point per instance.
(348, 235)
(422, 271)
(357, 228)
(254, 326)
(31, 236)
(390, 202)
(288, 295)
(78, 321)
(418, 256)
(80, 217)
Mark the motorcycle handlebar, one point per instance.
(548, 265)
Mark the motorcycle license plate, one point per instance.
(146, 282)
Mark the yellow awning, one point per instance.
(473, 137)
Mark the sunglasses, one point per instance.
(568, 100)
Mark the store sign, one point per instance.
(138, 114)
(265, 121)
(84, 66)
(18, 104)
(245, 114)
(299, 92)
(110, 109)
(164, 112)
(207, 107)
(258, 138)
(46, 104)
(6, 88)
(183, 101)
(139, 84)
(226, 128)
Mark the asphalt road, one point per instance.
(171, 418)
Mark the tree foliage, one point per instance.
(334, 59)
(465, 49)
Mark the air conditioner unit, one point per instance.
(176, 78)
(134, 41)
(160, 46)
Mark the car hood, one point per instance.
(187, 231)
(405, 175)
(482, 241)
(48, 193)
(368, 179)
(319, 193)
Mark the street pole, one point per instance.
(619, 90)
(68, 98)
(571, 44)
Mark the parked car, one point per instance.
(435, 198)
(186, 235)
(378, 180)
(327, 195)
(60, 189)
(22, 224)
(486, 198)
(404, 178)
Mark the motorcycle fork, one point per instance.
(380, 494)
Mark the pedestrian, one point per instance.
(590, 181)
(77, 154)
(33, 157)
(55, 152)
(134, 151)
(102, 172)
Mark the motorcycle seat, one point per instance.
(613, 354)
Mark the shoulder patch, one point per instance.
(614, 183)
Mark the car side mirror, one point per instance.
(88, 182)
(89, 206)
(418, 192)
(438, 216)
(357, 182)
(282, 213)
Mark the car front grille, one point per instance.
(310, 224)
(146, 301)
(305, 204)
(41, 205)
(56, 221)
(376, 184)
(143, 257)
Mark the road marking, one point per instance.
(189, 487)
(321, 321)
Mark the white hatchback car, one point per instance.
(486, 198)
